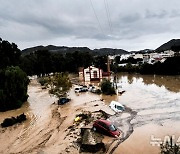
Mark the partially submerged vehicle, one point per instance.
(82, 88)
(105, 127)
(94, 89)
(91, 88)
(77, 89)
(116, 106)
(63, 100)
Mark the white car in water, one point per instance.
(77, 89)
(116, 106)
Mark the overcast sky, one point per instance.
(126, 24)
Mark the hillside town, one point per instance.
(146, 57)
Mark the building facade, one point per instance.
(90, 74)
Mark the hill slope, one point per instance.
(64, 50)
(173, 44)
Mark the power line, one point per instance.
(96, 16)
(108, 15)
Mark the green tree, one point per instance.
(13, 88)
(101, 62)
(9, 54)
(107, 87)
(13, 81)
(43, 62)
(59, 83)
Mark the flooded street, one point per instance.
(152, 111)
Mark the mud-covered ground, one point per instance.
(49, 126)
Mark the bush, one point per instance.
(107, 88)
(13, 120)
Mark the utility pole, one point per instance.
(108, 67)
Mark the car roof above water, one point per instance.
(116, 103)
(107, 122)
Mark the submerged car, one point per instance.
(91, 88)
(105, 127)
(84, 88)
(116, 106)
(81, 89)
(63, 100)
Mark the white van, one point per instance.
(116, 106)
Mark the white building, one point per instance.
(167, 53)
(136, 56)
(90, 74)
(124, 57)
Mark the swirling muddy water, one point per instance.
(16, 138)
(155, 102)
(152, 108)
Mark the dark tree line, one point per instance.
(43, 62)
(131, 60)
(13, 81)
(171, 66)
(9, 54)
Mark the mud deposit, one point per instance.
(50, 128)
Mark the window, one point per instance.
(112, 128)
(120, 108)
(95, 74)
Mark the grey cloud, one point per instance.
(160, 14)
(131, 18)
(26, 22)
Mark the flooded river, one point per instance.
(156, 101)
(153, 113)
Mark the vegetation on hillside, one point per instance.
(43, 62)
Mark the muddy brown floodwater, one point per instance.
(156, 101)
(152, 114)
